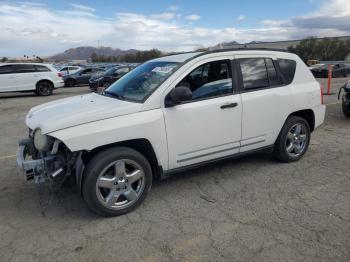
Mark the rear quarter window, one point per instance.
(41, 68)
(287, 67)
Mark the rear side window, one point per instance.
(6, 69)
(40, 68)
(259, 73)
(24, 68)
(287, 67)
(254, 73)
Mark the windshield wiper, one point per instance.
(112, 94)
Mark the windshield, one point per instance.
(142, 81)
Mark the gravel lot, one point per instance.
(248, 209)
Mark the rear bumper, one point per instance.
(58, 84)
(320, 112)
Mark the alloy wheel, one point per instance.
(120, 184)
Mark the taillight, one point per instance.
(321, 93)
(59, 74)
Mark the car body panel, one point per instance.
(72, 111)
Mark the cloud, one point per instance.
(241, 17)
(193, 17)
(82, 7)
(164, 16)
(39, 29)
(173, 7)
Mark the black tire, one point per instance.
(98, 163)
(346, 110)
(44, 88)
(280, 150)
(70, 82)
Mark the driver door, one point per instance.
(209, 126)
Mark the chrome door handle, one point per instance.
(229, 105)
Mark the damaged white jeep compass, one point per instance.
(170, 114)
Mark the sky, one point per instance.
(48, 27)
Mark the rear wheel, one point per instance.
(44, 88)
(293, 140)
(116, 181)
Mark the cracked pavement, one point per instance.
(249, 209)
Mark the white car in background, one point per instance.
(23, 77)
(67, 70)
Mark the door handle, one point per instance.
(229, 105)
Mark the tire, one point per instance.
(110, 191)
(44, 88)
(346, 110)
(291, 146)
(70, 82)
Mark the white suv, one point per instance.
(171, 114)
(23, 77)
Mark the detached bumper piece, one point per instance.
(39, 170)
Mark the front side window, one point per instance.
(140, 83)
(209, 80)
(6, 69)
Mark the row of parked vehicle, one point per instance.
(44, 78)
(322, 70)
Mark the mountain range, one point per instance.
(85, 52)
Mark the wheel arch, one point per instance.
(308, 115)
(141, 145)
(44, 80)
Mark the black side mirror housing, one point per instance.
(178, 95)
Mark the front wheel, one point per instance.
(293, 140)
(116, 181)
(346, 109)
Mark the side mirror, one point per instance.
(178, 95)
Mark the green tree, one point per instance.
(4, 59)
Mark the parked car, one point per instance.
(345, 98)
(109, 77)
(67, 70)
(338, 70)
(171, 114)
(25, 77)
(82, 76)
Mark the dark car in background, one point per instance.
(109, 77)
(82, 76)
(338, 70)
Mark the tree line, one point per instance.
(326, 49)
(138, 57)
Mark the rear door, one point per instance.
(7, 79)
(266, 100)
(26, 76)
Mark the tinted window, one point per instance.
(7, 69)
(274, 78)
(24, 68)
(254, 73)
(209, 80)
(122, 71)
(40, 68)
(87, 71)
(287, 67)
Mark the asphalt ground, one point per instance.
(249, 209)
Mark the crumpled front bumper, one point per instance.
(36, 169)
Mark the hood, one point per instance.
(72, 111)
